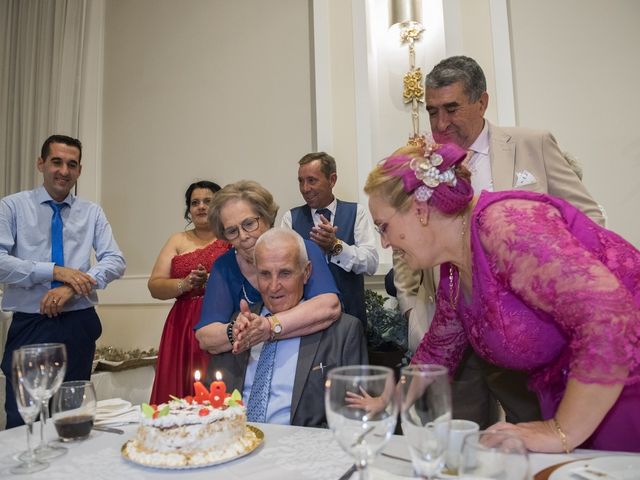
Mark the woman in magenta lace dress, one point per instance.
(530, 283)
(180, 272)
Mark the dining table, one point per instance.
(287, 452)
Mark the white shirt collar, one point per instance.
(481, 144)
(331, 207)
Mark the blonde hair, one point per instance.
(253, 193)
(389, 187)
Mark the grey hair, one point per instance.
(276, 235)
(458, 69)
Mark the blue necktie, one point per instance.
(259, 396)
(57, 251)
(325, 212)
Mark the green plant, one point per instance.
(386, 329)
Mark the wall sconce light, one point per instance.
(408, 15)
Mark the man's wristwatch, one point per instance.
(276, 327)
(337, 248)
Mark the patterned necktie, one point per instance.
(325, 212)
(259, 396)
(57, 251)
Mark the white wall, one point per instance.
(230, 90)
(576, 73)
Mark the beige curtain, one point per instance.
(41, 52)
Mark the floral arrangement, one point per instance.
(114, 354)
(386, 328)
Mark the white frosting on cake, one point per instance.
(187, 437)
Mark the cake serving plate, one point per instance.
(254, 435)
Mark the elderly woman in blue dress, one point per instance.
(240, 213)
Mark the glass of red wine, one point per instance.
(74, 409)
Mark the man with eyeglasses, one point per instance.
(282, 380)
(344, 230)
(499, 159)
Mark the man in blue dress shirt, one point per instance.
(282, 380)
(47, 236)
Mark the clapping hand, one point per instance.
(324, 234)
(249, 329)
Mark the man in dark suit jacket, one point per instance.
(296, 391)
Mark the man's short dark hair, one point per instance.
(458, 69)
(64, 139)
(327, 162)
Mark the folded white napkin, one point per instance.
(116, 411)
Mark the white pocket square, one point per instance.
(525, 177)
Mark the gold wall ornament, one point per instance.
(408, 15)
(413, 88)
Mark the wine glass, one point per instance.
(74, 409)
(425, 409)
(29, 408)
(362, 409)
(43, 366)
(494, 455)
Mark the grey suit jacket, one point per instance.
(342, 343)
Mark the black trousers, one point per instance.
(78, 330)
(478, 386)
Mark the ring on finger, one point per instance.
(54, 301)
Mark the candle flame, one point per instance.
(197, 375)
(218, 376)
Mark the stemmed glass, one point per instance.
(362, 409)
(425, 409)
(494, 455)
(29, 408)
(42, 367)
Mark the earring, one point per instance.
(423, 222)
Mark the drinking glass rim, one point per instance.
(360, 371)
(76, 384)
(424, 369)
(35, 346)
(473, 438)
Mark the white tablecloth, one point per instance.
(287, 453)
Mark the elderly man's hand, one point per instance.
(249, 329)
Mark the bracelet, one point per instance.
(563, 436)
(180, 284)
(230, 332)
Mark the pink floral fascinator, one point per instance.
(432, 177)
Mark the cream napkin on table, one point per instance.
(116, 411)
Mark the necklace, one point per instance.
(454, 290)
(246, 297)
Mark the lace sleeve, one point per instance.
(534, 254)
(445, 341)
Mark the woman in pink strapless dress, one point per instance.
(181, 272)
(531, 284)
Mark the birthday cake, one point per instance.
(189, 433)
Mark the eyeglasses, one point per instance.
(251, 224)
(382, 228)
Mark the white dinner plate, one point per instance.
(621, 467)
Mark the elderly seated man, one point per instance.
(282, 380)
